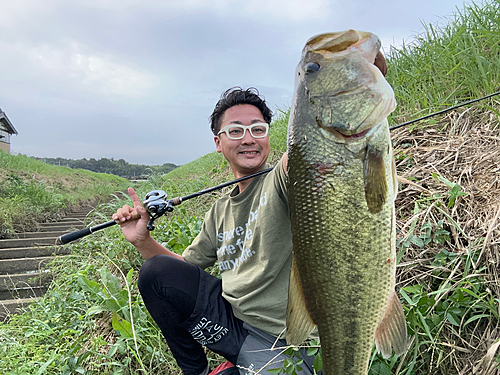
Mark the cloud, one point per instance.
(113, 74)
(98, 73)
(291, 9)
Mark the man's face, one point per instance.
(247, 155)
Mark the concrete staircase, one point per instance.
(23, 278)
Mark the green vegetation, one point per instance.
(92, 320)
(111, 166)
(448, 64)
(32, 191)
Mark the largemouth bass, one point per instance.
(341, 194)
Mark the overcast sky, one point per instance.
(137, 79)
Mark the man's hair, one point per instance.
(238, 96)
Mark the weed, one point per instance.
(93, 321)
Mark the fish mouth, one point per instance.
(347, 137)
(355, 136)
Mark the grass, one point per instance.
(448, 64)
(92, 320)
(32, 191)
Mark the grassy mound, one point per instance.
(32, 191)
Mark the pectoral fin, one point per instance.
(391, 333)
(299, 324)
(375, 179)
(394, 178)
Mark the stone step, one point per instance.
(14, 266)
(33, 252)
(23, 259)
(60, 221)
(14, 306)
(70, 219)
(24, 285)
(24, 280)
(28, 292)
(26, 242)
(60, 228)
(65, 221)
(51, 234)
(79, 215)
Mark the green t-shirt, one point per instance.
(249, 236)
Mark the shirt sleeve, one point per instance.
(202, 252)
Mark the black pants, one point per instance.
(187, 305)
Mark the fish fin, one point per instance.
(391, 333)
(395, 179)
(299, 324)
(375, 180)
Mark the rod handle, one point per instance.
(69, 237)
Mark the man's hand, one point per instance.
(133, 220)
(380, 63)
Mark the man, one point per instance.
(247, 232)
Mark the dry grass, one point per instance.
(463, 148)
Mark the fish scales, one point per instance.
(341, 193)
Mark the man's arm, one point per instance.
(133, 222)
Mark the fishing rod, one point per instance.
(444, 111)
(156, 203)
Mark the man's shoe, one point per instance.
(227, 368)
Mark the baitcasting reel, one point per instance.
(156, 204)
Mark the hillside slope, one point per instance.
(448, 224)
(32, 191)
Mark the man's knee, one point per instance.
(153, 270)
(163, 271)
(167, 283)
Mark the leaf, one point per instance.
(425, 326)
(407, 297)
(110, 281)
(452, 319)
(470, 320)
(415, 289)
(130, 274)
(416, 241)
(122, 326)
(275, 370)
(113, 350)
(95, 310)
(380, 368)
(42, 370)
(312, 351)
(318, 363)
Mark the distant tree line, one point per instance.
(111, 166)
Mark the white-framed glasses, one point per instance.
(235, 131)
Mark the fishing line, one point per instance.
(443, 111)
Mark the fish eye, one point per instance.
(312, 67)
